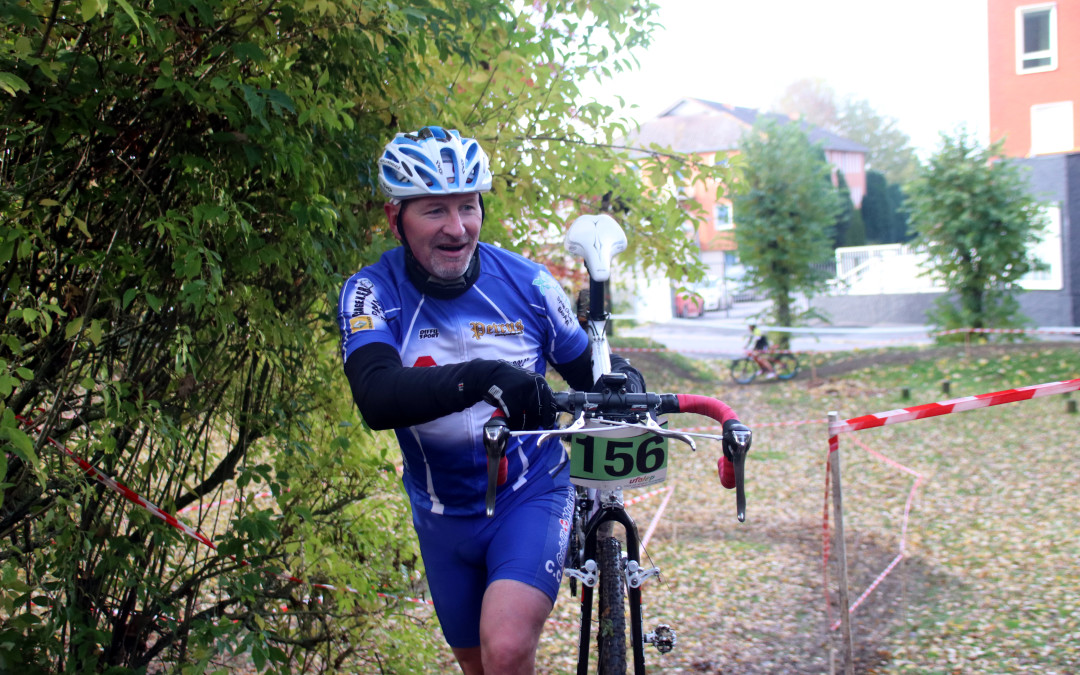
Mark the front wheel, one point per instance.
(611, 638)
(786, 366)
(744, 370)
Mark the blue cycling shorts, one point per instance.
(525, 540)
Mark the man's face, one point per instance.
(442, 231)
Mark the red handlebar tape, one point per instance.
(721, 412)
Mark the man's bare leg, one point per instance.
(511, 621)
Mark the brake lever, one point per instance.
(574, 427)
(496, 435)
(738, 461)
(651, 426)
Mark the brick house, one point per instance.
(1034, 76)
(712, 131)
(1034, 104)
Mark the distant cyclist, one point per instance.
(760, 347)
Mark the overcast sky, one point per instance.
(921, 62)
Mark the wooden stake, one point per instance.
(841, 555)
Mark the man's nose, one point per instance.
(454, 224)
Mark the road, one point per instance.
(724, 333)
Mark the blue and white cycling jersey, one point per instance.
(515, 311)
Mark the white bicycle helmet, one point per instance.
(433, 161)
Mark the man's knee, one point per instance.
(511, 622)
(507, 652)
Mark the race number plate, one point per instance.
(611, 461)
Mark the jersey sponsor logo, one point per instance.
(481, 329)
(423, 362)
(547, 285)
(429, 333)
(545, 282)
(364, 300)
(563, 308)
(359, 323)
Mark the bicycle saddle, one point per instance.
(597, 239)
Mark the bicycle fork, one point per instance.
(663, 638)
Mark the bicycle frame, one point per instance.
(598, 239)
(636, 417)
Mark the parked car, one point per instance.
(740, 287)
(689, 305)
(693, 300)
(714, 292)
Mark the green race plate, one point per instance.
(621, 458)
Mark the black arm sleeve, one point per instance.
(577, 372)
(391, 396)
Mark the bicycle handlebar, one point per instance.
(615, 405)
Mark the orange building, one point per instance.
(712, 131)
(1034, 62)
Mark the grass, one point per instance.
(988, 584)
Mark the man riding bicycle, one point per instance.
(760, 342)
(435, 336)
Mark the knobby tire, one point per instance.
(611, 631)
(744, 370)
(786, 366)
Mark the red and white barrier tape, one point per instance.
(906, 415)
(952, 406)
(833, 446)
(123, 490)
(155, 510)
(656, 519)
(642, 497)
(150, 507)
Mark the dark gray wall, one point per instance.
(1070, 231)
(1056, 178)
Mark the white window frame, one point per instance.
(1047, 139)
(1048, 250)
(1051, 52)
(730, 223)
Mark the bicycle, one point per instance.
(745, 369)
(619, 440)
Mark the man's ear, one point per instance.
(392, 218)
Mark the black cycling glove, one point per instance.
(522, 395)
(635, 381)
